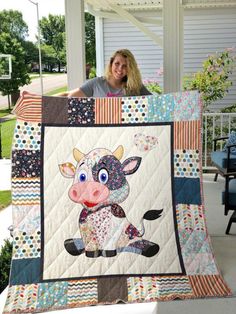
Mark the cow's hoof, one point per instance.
(74, 246)
(152, 214)
(93, 253)
(150, 250)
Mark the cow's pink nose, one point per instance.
(96, 193)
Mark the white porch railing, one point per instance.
(215, 125)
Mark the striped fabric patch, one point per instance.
(108, 110)
(186, 135)
(209, 286)
(29, 107)
(21, 298)
(25, 191)
(190, 217)
(82, 292)
(174, 287)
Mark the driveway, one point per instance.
(50, 82)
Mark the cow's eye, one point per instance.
(103, 176)
(82, 176)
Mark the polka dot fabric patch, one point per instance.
(134, 110)
(27, 136)
(26, 246)
(81, 111)
(186, 163)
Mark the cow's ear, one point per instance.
(67, 170)
(130, 165)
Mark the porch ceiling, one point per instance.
(147, 5)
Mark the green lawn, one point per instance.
(4, 112)
(56, 91)
(7, 131)
(5, 199)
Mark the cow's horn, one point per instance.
(118, 153)
(77, 154)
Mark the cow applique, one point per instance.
(100, 185)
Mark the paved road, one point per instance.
(50, 82)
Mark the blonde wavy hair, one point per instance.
(132, 83)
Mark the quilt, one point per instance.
(108, 203)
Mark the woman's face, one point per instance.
(119, 68)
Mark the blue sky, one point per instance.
(29, 11)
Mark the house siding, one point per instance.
(205, 32)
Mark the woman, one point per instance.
(122, 78)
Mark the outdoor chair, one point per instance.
(231, 200)
(225, 162)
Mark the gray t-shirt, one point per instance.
(98, 87)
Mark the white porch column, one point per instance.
(173, 45)
(99, 46)
(75, 43)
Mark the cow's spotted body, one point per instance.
(99, 186)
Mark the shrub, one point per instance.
(213, 81)
(5, 263)
(153, 86)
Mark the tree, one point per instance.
(53, 33)
(12, 22)
(31, 52)
(20, 76)
(90, 48)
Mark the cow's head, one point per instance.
(99, 177)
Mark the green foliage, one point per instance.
(90, 48)
(213, 81)
(153, 86)
(7, 131)
(12, 22)
(19, 77)
(53, 35)
(5, 199)
(31, 52)
(5, 263)
(92, 73)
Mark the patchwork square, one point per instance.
(134, 109)
(26, 218)
(187, 191)
(108, 110)
(161, 108)
(21, 298)
(187, 106)
(82, 292)
(81, 111)
(52, 293)
(25, 191)
(187, 163)
(27, 136)
(25, 163)
(190, 217)
(26, 245)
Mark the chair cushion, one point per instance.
(232, 193)
(219, 158)
(231, 141)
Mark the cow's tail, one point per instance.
(149, 215)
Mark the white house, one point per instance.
(174, 34)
